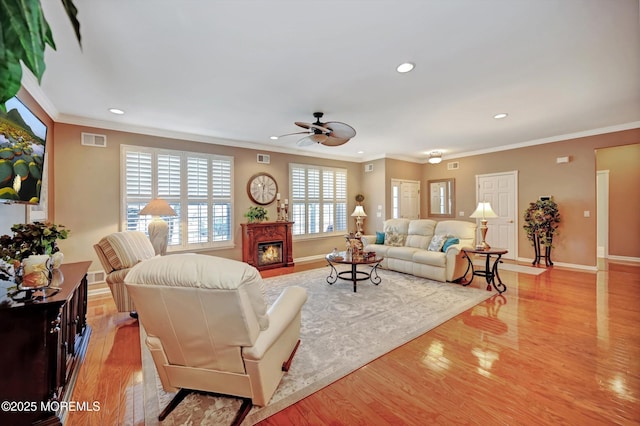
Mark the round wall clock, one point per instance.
(262, 188)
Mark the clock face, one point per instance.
(262, 188)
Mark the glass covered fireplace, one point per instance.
(269, 253)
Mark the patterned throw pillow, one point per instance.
(394, 239)
(437, 242)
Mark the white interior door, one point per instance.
(405, 199)
(501, 190)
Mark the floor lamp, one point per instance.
(358, 213)
(483, 211)
(158, 228)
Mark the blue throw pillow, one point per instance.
(450, 241)
(379, 237)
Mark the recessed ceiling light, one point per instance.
(273, 138)
(405, 67)
(360, 152)
(501, 115)
(116, 111)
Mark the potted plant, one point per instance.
(256, 214)
(37, 238)
(541, 221)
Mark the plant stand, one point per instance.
(537, 248)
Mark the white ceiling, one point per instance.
(243, 70)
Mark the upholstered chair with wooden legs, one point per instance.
(209, 328)
(118, 253)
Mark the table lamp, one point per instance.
(158, 228)
(358, 213)
(483, 211)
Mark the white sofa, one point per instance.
(406, 247)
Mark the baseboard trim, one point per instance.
(624, 258)
(590, 268)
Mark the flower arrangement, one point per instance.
(29, 239)
(541, 220)
(256, 214)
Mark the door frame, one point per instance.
(602, 214)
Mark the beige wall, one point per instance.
(573, 186)
(374, 191)
(84, 187)
(88, 187)
(623, 164)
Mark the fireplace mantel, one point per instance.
(254, 234)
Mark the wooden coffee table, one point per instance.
(353, 274)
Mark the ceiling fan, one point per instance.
(331, 133)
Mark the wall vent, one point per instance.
(93, 139)
(368, 167)
(95, 277)
(264, 158)
(453, 166)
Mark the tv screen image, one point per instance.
(22, 148)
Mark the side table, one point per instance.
(490, 272)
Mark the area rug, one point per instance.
(341, 332)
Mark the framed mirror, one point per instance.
(442, 197)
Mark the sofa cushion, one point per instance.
(402, 253)
(464, 231)
(434, 258)
(437, 242)
(379, 238)
(420, 232)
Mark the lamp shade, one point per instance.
(483, 211)
(358, 212)
(158, 207)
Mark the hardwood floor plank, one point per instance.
(559, 348)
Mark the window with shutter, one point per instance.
(197, 186)
(319, 199)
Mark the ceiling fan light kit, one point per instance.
(331, 133)
(435, 157)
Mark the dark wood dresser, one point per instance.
(43, 344)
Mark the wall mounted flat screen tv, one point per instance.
(22, 148)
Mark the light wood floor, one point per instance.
(559, 348)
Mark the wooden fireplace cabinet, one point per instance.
(263, 232)
(43, 344)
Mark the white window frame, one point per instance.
(177, 242)
(325, 197)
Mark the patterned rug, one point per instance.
(341, 332)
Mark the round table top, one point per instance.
(342, 258)
(485, 251)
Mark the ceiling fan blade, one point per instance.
(331, 141)
(295, 133)
(318, 137)
(306, 141)
(340, 130)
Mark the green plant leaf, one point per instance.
(72, 13)
(24, 34)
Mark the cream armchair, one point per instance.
(118, 253)
(209, 329)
